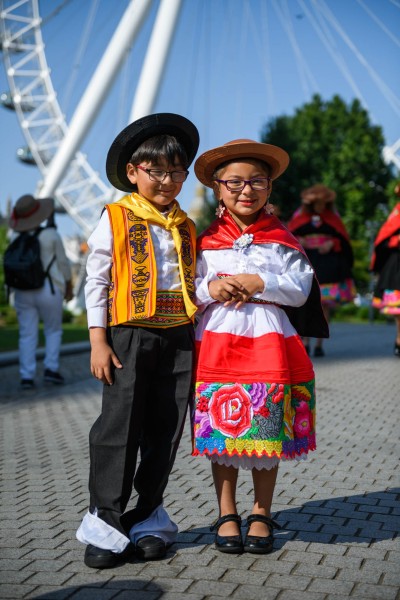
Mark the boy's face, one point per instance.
(159, 193)
(244, 205)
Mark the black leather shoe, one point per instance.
(318, 351)
(231, 544)
(98, 558)
(151, 547)
(256, 544)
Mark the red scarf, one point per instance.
(266, 230)
(308, 319)
(389, 228)
(329, 217)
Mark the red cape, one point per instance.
(266, 230)
(301, 218)
(389, 228)
(308, 320)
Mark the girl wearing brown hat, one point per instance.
(255, 398)
(320, 230)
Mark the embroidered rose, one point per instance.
(303, 420)
(243, 242)
(231, 410)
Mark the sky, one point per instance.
(233, 65)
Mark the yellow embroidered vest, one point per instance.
(133, 296)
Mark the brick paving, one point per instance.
(339, 509)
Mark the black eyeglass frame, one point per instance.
(245, 182)
(165, 173)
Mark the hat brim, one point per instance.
(138, 132)
(275, 157)
(45, 209)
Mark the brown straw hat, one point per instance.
(275, 157)
(130, 138)
(29, 212)
(318, 192)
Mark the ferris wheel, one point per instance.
(53, 144)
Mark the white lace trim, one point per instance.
(251, 462)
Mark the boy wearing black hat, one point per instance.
(139, 298)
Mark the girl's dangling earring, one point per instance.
(220, 209)
(269, 208)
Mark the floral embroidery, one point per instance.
(262, 419)
(243, 242)
(303, 420)
(231, 410)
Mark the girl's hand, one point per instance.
(102, 356)
(236, 289)
(250, 284)
(224, 290)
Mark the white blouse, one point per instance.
(286, 273)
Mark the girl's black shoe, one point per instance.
(231, 544)
(256, 544)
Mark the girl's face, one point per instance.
(244, 206)
(159, 193)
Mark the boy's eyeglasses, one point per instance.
(159, 175)
(237, 185)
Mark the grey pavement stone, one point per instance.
(254, 592)
(339, 508)
(375, 592)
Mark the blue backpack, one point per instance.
(23, 269)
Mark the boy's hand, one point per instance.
(102, 356)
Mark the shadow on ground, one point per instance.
(91, 591)
(362, 518)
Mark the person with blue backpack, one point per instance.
(38, 271)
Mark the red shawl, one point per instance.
(389, 228)
(266, 230)
(308, 319)
(329, 217)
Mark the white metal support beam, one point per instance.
(156, 56)
(95, 93)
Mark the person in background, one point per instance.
(140, 307)
(255, 395)
(320, 230)
(44, 304)
(385, 262)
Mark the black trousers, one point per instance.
(143, 411)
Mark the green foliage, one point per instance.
(208, 214)
(335, 144)
(350, 313)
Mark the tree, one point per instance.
(335, 144)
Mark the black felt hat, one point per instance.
(138, 132)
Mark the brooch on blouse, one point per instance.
(243, 242)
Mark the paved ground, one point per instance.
(338, 509)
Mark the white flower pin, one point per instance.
(243, 242)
